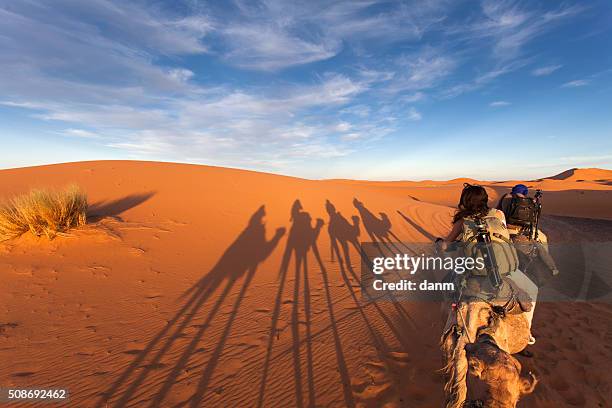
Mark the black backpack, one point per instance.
(522, 211)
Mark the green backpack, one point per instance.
(506, 258)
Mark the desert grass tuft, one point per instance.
(43, 212)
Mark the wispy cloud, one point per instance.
(499, 104)
(215, 124)
(422, 70)
(483, 79)
(546, 70)
(510, 25)
(271, 48)
(414, 115)
(80, 133)
(276, 34)
(576, 83)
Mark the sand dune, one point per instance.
(597, 175)
(208, 286)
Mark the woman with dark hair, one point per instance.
(474, 202)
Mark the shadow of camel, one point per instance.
(404, 329)
(302, 239)
(240, 260)
(379, 229)
(342, 233)
(114, 208)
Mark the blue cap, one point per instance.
(520, 189)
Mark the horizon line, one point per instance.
(298, 177)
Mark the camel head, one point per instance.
(385, 219)
(257, 217)
(319, 223)
(494, 376)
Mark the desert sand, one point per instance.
(197, 285)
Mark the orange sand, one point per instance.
(175, 298)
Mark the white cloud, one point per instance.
(414, 115)
(180, 74)
(209, 125)
(576, 83)
(80, 133)
(483, 79)
(498, 104)
(351, 136)
(424, 69)
(276, 34)
(343, 127)
(270, 48)
(362, 111)
(546, 70)
(510, 25)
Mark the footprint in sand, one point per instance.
(398, 356)
(248, 342)
(6, 326)
(133, 348)
(137, 251)
(376, 371)
(375, 393)
(88, 352)
(24, 374)
(23, 272)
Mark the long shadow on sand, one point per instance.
(379, 229)
(114, 208)
(417, 227)
(231, 278)
(342, 233)
(240, 260)
(303, 239)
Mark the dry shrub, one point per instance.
(43, 212)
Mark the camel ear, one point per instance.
(475, 367)
(528, 384)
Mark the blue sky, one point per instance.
(353, 89)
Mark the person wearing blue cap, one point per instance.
(520, 189)
(522, 213)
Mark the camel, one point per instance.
(467, 325)
(494, 377)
